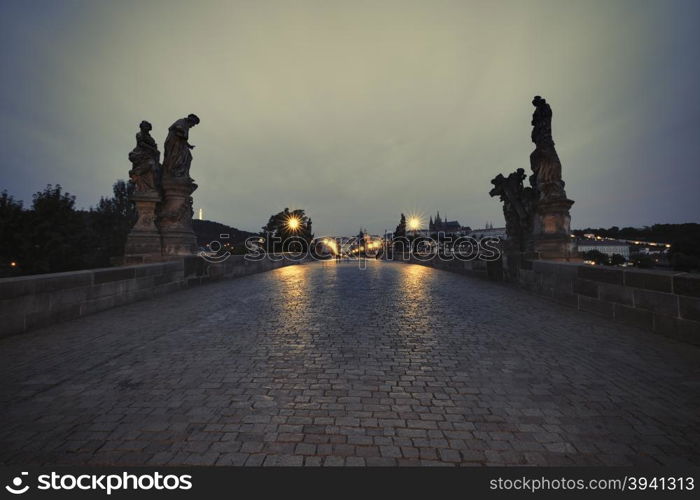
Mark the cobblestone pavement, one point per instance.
(327, 364)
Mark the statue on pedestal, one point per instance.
(145, 159)
(537, 217)
(143, 241)
(175, 215)
(544, 160)
(552, 222)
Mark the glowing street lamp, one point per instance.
(414, 223)
(293, 223)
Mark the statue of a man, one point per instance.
(544, 160)
(177, 157)
(144, 159)
(542, 123)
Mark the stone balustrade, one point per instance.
(29, 302)
(664, 302)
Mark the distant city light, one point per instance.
(13, 264)
(331, 244)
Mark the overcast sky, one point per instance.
(359, 110)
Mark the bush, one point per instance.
(596, 256)
(616, 259)
(684, 262)
(642, 261)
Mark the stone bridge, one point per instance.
(329, 364)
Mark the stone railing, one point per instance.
(29, 302)
(664, 302)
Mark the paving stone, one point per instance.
(283, 461)
(276, 369)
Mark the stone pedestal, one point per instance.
(175, 217)
(552, 230)
(143, 244)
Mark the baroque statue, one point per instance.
(145, 158)
(175, 212)
(177, 157)
(518, 207)
(143, 241)
(538, 221)
(162, 195)
(544, 160)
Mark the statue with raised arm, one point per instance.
(544, 160)
(178, 158)
(144, 159)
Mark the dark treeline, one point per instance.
(660, 233)
(230, 237)
(53, 236)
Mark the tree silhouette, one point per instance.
(54, 233)
(616, 259)
(401, 228)
(286, 227)
(110, 223)
(12, 222)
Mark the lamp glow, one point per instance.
(293, 223)
(414, 223)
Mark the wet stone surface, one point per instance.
(327, 364)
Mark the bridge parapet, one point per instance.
(665, 302)
(28, 302)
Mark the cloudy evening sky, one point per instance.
(359, 110)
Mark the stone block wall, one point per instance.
(29, 302)
(664, 302)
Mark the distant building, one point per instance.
(608, 247)
(440, 225)
(489, 232)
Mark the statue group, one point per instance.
(162, 194)
(537, 216)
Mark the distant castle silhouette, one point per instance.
(438, 225)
